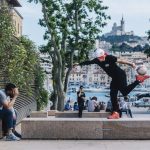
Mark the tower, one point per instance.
(122, 25)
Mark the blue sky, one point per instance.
(136, 15)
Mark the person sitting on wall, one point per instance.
(7, 113)
(125, 106)
(93, 105)
(109, 106)
(68, 106)
(75, 106)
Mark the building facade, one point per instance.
(16, 16)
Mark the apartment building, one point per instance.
(16, 16)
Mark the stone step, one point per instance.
(52, 112)
(39, 114)
(85, 114)
(85, 128)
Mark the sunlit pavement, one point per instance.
(82, 144)
(76, 145)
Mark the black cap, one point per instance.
(81, 87)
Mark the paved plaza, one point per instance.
(76, 145)
(81, 144)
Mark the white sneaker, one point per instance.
(12, 137)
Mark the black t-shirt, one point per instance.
(109, 65)
(81, 97)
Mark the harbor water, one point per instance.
(101, 96)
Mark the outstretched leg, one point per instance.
(125, 90)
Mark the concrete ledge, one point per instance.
(74, 114)
(52, 112)
(39, 114)
(85, 128)
(127, 129)
(36, 128)
(0, 128)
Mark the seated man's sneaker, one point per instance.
(114, 115)
(141, 78)
(17, 134)
(12, 137)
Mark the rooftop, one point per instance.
(15, 3)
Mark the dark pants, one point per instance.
(128, 111)
(119, 83)
(8, 122)
(81, 107)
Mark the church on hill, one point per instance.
(119, 30)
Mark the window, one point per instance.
(18, 28)
(21, 30)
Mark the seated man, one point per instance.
(67, 105)
(7, 113)
(109, 106)
(75, 106)
(93, 105)
(125, 107)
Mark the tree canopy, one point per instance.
(72, 27)
(19, 59)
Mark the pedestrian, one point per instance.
(119, 81)
(80, 100)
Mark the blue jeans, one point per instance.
(7, 119)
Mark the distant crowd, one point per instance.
(91, 105)
(94, 105)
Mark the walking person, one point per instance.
(80, 100)
(119, 81)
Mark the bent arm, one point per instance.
(126, 62)
(89, 62)
(10, 104)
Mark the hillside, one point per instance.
(120, 39)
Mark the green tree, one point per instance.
(147, 50)
(41, 93)
(72, 26)
(6, 29)
(19, 59)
